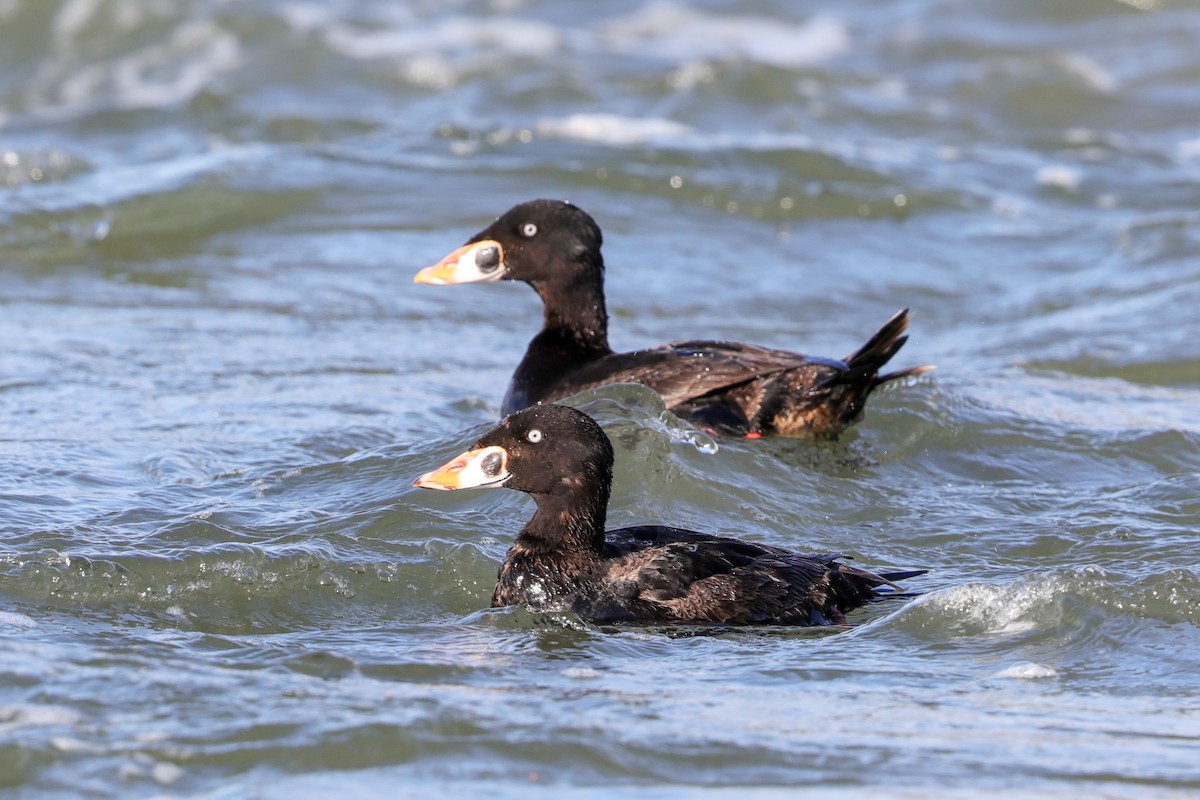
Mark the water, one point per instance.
(218, 383)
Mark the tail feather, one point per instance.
(878, 350)
(821, 397)
(892, 577)
(892, 590)
(908, 372)
(856, 586)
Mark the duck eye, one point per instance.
(529, 229)
(534, 436)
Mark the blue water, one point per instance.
(218, 382)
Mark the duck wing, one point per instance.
(685, 576)
(683, 372)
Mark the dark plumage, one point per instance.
(726, 386)
(563, 560)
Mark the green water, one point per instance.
(218, 382)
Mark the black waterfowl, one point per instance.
(564, 560)
(729, 387)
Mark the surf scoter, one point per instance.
(729, 387)
(563, 560)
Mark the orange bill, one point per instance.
(487, 466)
(471, 263)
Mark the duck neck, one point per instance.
(574, 333)
(556, 553)
(567, 526)
(574, 312)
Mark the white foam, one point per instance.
(171, 71)
(306, 17)
(581, 673)
(677, 32)
(1188, 148)
(436, 56)
(994, 609)
(617, 131)
(72, 19)
(1060, 177)
(511, 37)
(199, 51)
(11, 619)
(66, 744)
(613, 129)
(166, 773)
(1109, 403)
(1090, 71)
(25, 716)
(1026, 670)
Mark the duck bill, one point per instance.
(472, 263)
(487, 466)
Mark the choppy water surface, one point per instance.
(218, 381)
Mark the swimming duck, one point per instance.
(727, 387)
(564, 560)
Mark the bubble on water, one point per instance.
(166, 773)
(1091, 72)
(9, 619)
(580, 673)
(1059, 177)
(1026, 670)
(613, 129)
(676, 31)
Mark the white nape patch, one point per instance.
(1060, 177)
(1026, 670)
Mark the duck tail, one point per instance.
(890, 589)
(853, 586)
(879, 349)
(892, 577)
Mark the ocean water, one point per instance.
(218, 381)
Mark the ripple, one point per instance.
(218, 383)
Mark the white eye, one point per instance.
(528, 229)
(534, 436)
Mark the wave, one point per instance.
(676, 32)
(123, 54)
(1055, 603)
